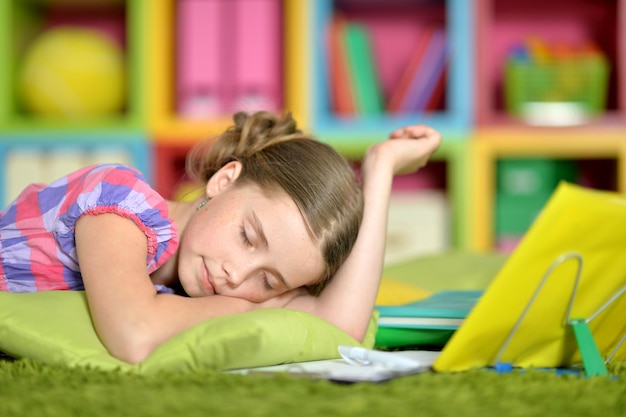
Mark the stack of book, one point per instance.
(427, 322)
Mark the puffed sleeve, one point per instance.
(124, 191)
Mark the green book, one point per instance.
(362, 70)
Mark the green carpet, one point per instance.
(31, 389)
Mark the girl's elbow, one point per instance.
(131, 348)
(130, 354)
(357, 333)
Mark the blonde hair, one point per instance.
(275, 153)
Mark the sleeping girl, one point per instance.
(282, 221)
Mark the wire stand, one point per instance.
(590, 354)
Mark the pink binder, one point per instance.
(199, 87)
(257, 55)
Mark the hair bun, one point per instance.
(256, 131)
(251, 133)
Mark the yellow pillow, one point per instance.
(393, 292)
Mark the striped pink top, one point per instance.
(37, 246)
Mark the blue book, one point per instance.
(440, 61)
(426, 78)
(444, 310)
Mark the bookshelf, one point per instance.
(152, 133)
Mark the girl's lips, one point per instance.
(206, 279)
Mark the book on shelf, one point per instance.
(399, 93)
(341, 93)
(431, 79)
(257, 38)
(362, 69)
(436, 100)
(200, 87)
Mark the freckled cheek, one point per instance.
(249, 292)
(218, 233)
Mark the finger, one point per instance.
(413, 132)
(420, 131)
(398, 133)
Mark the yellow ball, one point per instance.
(73, 73)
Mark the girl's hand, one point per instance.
(408, 149)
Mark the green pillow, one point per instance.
(55, 327)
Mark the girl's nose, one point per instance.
(235, 275)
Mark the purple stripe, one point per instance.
(21, 280)
(73, 279)
(8, 217)
(49, 198)
(8, 242)
(113, 194)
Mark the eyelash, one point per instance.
(266, 282)
(244, 236)
(247, 242)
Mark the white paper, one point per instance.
(340, 370)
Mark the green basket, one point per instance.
(580, 83)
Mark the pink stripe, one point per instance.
(28, 217)
(3, 280)
(49, 276)
(74, 190)
(117, 177)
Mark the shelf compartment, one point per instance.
(398, 23)
(165, 122)
(589, 146)
(500, 24)
(21, 21)
(43, 157)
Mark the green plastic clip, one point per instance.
(592, 359)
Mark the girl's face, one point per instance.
(247, 244)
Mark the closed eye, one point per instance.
(244, 237)
(246, 241)
(266, 281)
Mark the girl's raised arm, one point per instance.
(348, 300)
